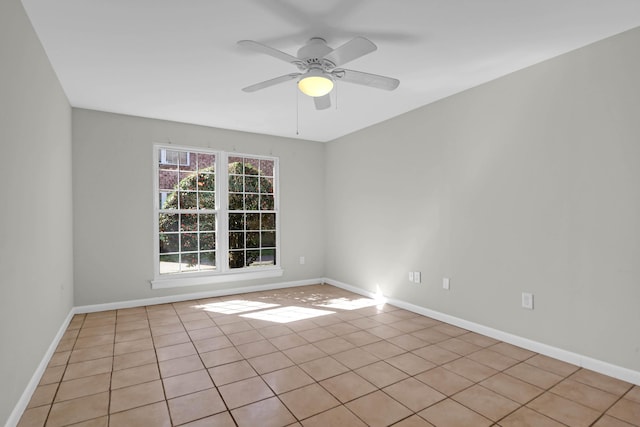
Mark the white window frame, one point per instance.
(223, 273)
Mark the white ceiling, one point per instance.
(178, 59)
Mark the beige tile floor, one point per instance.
(310, 356)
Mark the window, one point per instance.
(252, 214)
(215, 214)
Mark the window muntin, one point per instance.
(206, 227)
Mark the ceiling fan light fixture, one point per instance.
(315, 84)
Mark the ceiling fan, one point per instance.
(318, 68)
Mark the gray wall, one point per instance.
(113, 202)
(529, 183)
(36, 270)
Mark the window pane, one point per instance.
(253, 221)
(236, 240)
(268, 239)
(188, 181)
(170, 200)
(189, 262)
(169, 264)
(253, 257)
(163, 196)
(162, 161)
(266, 203)
(251, 202)
(236, 221)
(266, 185)
(235, 202)
(266, 167)
(253, 240)
(268, 256)
(235, 165)
(207, 200)
(188, 200)
(236, 259)
(189, 222)
(167, 222)
(251, 184)
(235, 184)
(207, 241)
(167, 179)
(268, 221)
(168, 242)
(251, 166)
(188, 161)
(168, 157)
(206, 182)
(207, 261)
(188, 242)
(184, 158)
(207, 222)
(206, 161)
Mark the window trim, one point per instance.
(222, 273)
(213, 278)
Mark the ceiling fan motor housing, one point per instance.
(312, 55)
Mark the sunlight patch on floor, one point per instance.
(349, 304)
(287, 314)
(235, 306)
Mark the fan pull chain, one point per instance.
(297, 111)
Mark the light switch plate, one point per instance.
(527, 301)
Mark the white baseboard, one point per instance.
(198, 295)
(586, 362)
(18, 410)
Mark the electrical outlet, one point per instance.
(416, 276)
(302, 260)
(527, 301)
(445, 283)
(411, 276)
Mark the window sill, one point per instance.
(178, 282)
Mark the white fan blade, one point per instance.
(271, 82)
(263, 48)
(322, 102)
(353, 49)
(366, 79)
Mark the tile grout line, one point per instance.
(215, 386)
(155, 351)
(66, 366)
